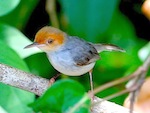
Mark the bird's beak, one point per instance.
(34, 44)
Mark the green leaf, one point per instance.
(7, 6)
(88, 18)
(64, 96)
(10, 57)
(16, 40)
(34, 63)
(15, 100)
(21, 14)
(2, 110)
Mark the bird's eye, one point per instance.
(50, 41)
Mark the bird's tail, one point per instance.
(107, 47)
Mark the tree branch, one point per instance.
(37, 85)
(20, 79)
(102, 106)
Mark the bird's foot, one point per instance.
(91, 95)
(53, 79)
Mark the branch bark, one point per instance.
(37, 85)
(108, 107)
(20, 79)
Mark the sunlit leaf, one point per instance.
(2, 110)
(16, 40)
(63, 96)
(10, 57)
(21, 14)
(15, 100)
(7, 5)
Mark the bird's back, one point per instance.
(82, 52)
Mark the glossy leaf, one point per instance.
(34, 63)
(7, 6)
(2, 110)
(10, 57)
(12, 99)
(21, 14)
(15, 100)
(88, 18)
(63, 96)
(16, 40)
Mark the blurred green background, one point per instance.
(119, 22)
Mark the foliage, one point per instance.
(7, 6)
(64, 100)
(98, 21)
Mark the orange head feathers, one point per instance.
(48, 38)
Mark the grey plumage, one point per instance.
(85, 53)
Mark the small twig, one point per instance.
(111, 96)
(138, 75)
(51, 10)
(138, 72)
(135, 84)
(132, 100)
(116, 94)
(113, 83)
(131, 89)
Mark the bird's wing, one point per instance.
(83, 53)
(107, 47)
(86, 58)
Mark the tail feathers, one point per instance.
(107, 47)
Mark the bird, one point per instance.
(70, 55)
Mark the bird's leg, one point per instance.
(91, 84)
(52, 80)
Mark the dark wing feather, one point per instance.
(83, 52)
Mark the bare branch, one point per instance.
(142, 69)
(102, 106)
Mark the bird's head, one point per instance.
(48, 39)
